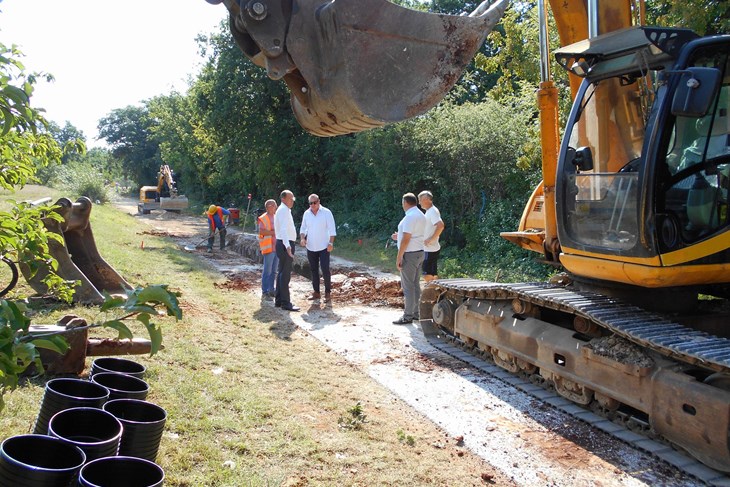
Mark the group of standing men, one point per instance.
(418, 247)
(277, 240)
(417, 238)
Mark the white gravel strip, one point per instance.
(527, 440)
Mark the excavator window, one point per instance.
(602, 205)
(698, 161)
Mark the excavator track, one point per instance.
(673, 383)
(644, 328)
(625, 429)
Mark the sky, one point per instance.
(106, 54)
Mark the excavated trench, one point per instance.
(348, 286)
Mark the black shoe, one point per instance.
(402, 321)
(278, 305)
(291, 307)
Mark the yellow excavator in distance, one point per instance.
(633, 204)
(164, 196)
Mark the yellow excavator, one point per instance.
(633, 204)
(164, 196)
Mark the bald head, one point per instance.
(288, 198)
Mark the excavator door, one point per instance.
(352, 65)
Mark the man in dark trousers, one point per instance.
(318, 234)
(286, 236)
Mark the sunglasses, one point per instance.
(313, 203)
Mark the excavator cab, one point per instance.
(352, 65)
(652, 206)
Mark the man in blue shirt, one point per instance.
(216, 222)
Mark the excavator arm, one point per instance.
(352, 65)
(164, 178)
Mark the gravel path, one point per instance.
(534, 443)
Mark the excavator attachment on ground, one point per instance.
(78, 258)
(352, 65)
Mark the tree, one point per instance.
(27, 145)
(129, 133)
(186, 143)
(706, 17)
(71, 139)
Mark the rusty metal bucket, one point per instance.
(352, 65)
(78, 258)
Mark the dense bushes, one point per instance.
(93, 174)
(234, 134)
(466, 155)
(76, 179)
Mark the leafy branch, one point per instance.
(19, 348)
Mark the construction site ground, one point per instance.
(523, 440)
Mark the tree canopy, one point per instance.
(232, 133)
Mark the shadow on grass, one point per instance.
(186, 261)
(283, 329)
(282, 326)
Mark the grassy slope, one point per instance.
(242, 384)
(370, 251)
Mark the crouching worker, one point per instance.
(216, 221)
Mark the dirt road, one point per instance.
(529, 441)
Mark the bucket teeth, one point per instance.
(353, 65)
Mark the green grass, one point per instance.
(370, 251)
(31, 192)
(251, 399)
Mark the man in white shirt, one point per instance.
(286, 236)
(318, 236)
(410, 236)
(434, 227)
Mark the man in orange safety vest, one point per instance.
(267, 239)
(216, 221)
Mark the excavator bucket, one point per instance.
(78, 260)
(352, 65)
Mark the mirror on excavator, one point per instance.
(352, 65)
